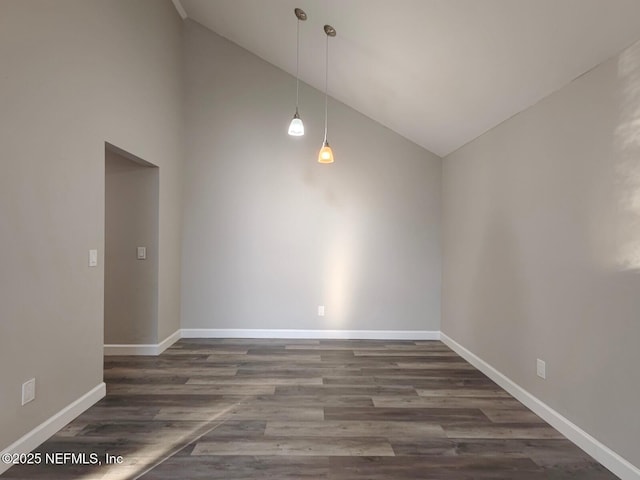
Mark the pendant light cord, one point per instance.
(326, 87)
(297, 63)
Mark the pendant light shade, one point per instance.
(326, 154)
(296, 127)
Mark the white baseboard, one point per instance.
(600, 452)
(49, 427)
(142, 349)
(311, 334)
(170, 340)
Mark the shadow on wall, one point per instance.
(498, 294)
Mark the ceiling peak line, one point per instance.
(181, 11)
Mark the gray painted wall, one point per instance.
(131, 220)
(541, 217)
(76, 73)
(270, 234)
(542, 250)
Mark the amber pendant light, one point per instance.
(326, 154)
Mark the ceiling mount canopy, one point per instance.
(300, 14)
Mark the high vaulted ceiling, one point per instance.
(438, 72)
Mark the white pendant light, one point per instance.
(296, 127)
(326, 154)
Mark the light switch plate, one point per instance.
(142, 253)
(541, 368)
(93, 258)
(28, 391)
(321, 310)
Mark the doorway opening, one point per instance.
(131, 252)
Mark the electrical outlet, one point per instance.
(321, 310)
(541, 368)
(28, 391)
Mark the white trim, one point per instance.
(49, 427)
(170, 340)
(180, 9)
(141, 348)
(311, 334)
(600, 452)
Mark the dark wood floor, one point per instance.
(302, 409)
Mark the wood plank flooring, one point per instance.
(306, 409)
